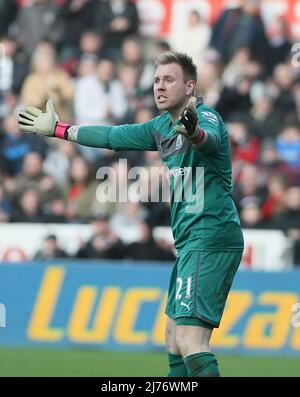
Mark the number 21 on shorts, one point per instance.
(181, 283)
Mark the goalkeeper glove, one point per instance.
(46, 123)
(189, 123)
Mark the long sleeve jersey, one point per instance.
(203, 214)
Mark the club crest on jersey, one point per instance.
(179, 142)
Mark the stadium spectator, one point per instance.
(8, 12)
(236, 67)
(48, 80)
(130, 217)
(281, 89)
(103, 244)
(209, 83)
(235, 100)
(38, 20)
(128, 76)
(92, 43)
(108, 105)
(147, 248)
(91, 46)
(279, 44)
(28, 207)
(248, 147)
(77, 17)
(288, 147)
(57, 161)
(159, 47)
(5, 206)
(193, 38)
(132, 55)
(289, 219)
(33, 176)
(274, 203)
(111, 178)
(271, 163)
(81, 188)
(87, 66)
(251, 214)
(156, 198)
(50, 249)
(251, 182)
(14, 146)
(16, 66)
(264, 122)
(116, 20)
(239, 27)
(55, 210)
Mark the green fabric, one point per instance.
(94, 136)
(194, 321)
(122, 137)
(201, 365)
(177, 366)
(200, 283)
(203, 215)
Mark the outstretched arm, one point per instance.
(123, 137)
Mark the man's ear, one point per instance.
(190, 87)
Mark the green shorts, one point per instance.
(200, 283)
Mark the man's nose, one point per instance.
(161, 85)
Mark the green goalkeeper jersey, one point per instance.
(203, 214)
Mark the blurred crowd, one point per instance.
(90, 58)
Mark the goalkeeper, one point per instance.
(190, 137)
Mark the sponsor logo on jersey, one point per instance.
(179, 171)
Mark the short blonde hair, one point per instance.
(184, 60)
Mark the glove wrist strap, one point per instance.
(199, 137)
(61, 130)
